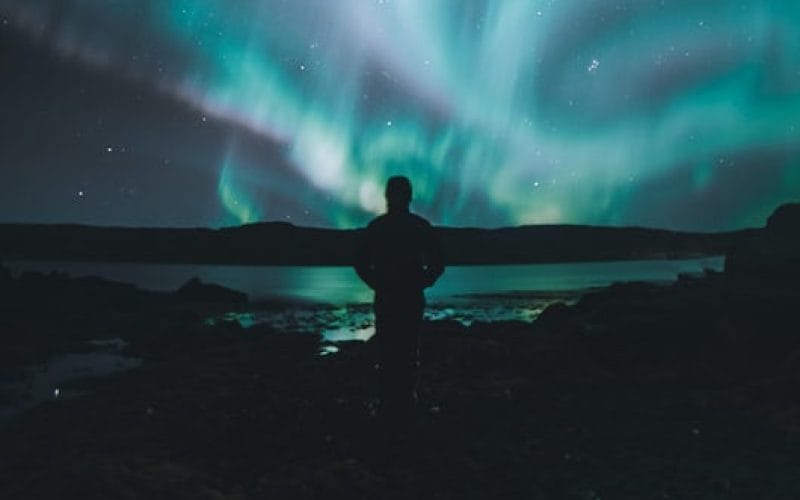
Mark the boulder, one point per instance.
(195, 290)
(774, 253)
(556, 313)
(785, 220)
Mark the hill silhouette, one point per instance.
(280, 243)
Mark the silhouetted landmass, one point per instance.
(282, 243)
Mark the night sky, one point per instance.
(681, 114)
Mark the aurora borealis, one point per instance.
(680, 114)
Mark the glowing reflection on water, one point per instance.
(357, 321)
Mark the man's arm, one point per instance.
(435, 264)
(363, 259)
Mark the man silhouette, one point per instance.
(398, 257)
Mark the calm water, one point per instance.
(340, 285)
(332, 301)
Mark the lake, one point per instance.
(341, 286)
(332, 301)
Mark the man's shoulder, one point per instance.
(377, 221)
(421, 221)
(386, 220)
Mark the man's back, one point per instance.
(399, 253)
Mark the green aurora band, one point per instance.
(674, 113)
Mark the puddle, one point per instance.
(346, 333)
(328, 349)
(44, 382)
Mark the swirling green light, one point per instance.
(234, 199)
(501, 112)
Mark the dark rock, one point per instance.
(195, 290)
(555, 313)
(774, 253)
(785, 220)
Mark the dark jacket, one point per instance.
(399, 253)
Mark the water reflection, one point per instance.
(357, 322)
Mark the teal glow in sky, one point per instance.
(671, 113)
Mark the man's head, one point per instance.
(398, 193)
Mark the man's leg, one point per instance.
(397, 333)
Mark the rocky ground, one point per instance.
(638, 391)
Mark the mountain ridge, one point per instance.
(283, 243)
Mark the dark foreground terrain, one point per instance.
(638, 391)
